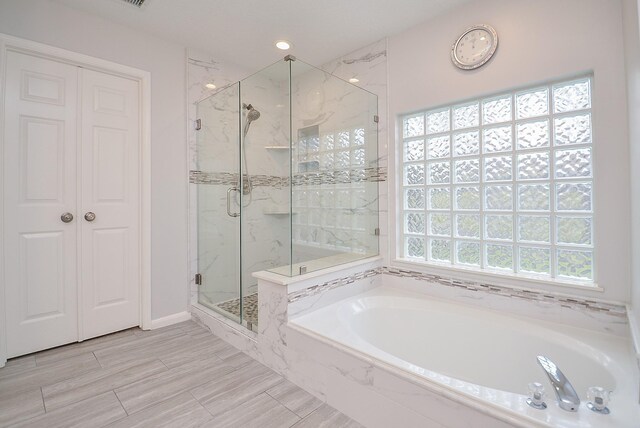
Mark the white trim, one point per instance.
(170, 319)
(144, 78)
(634, 327)
(3, 325)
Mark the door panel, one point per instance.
(40, 185)
(218, 175)
(109, 189)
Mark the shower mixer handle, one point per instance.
(229, 213)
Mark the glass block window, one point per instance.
(333, 213)
(503, 183)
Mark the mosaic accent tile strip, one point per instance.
(531, 295)
(356, 175)
(330, 285)
(316, 178)
(231, 179)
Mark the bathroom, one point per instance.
(397, 293)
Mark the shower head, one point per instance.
(252, 113)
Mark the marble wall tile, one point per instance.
(369, 66)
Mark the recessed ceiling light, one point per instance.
(283, 44)
(354, 80)
(210, 86)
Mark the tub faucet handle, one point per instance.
(598, 399)
(536, 396)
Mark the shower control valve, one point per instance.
(536, 396)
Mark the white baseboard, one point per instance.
(170, 319)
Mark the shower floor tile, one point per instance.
(250, 307)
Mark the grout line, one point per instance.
(308, 416)
(119, 401)
(97, 359)
(202, 405)
(44, 406)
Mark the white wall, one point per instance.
(47, 22)
(539, 41)
(632, 55)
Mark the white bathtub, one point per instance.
(484, 356)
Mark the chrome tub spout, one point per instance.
(567, 397)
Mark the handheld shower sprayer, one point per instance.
(252, 115)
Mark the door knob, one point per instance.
(89, 216)
(66, 217)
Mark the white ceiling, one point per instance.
(244, 31)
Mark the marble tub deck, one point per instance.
(177, 376)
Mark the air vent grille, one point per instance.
(135, 2)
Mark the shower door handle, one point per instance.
(229, 213)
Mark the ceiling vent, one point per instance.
(135, 2)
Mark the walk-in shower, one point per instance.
(286, 178)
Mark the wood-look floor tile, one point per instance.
(97, 382)
(160, 331)
(145, 347)
(261, 411)
(182, 411)
(55, 372)
(236, 387)
(63, 352)
(160, 386)
(18, 364)
(193, 350)
(327, 417)
(21, 406)
(227, 351)
(294, 398)
(95, 412)
(238, 359)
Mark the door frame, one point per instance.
(16, 44)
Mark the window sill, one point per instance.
(496, 278)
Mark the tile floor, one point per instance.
(178, 376)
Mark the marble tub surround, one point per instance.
(592, 314)
(337, 375)
(488, 379)
(373, 392)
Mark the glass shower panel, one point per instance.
(217, 178)
(334, 170)
(265, 145)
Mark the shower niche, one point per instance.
(287, 181)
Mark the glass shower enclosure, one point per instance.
(287, 181)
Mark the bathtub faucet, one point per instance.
(567, 397)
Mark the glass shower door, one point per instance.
(219, 202)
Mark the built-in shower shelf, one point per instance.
(277, 212)
(277, 147)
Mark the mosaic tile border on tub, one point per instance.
(575, 303)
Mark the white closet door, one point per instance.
(110, 190)
(39, 186)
